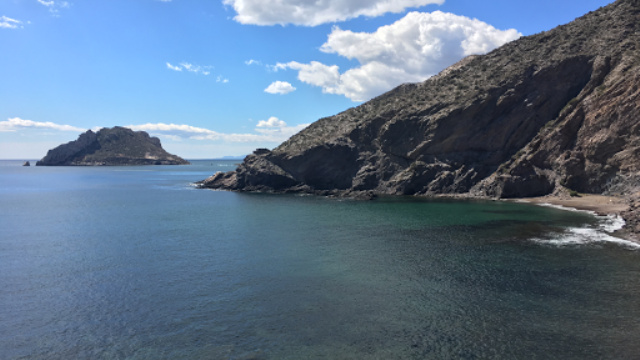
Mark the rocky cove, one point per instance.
(553, 114)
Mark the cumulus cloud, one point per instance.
(314, 73)
(280, 87)
(196, 69)
(412, 49)
(9, 23)
(272, 123)
(312, 13)
(16, 123)
(277, 130)
(272, 130)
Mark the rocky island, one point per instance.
(554, 113)
(111, 146)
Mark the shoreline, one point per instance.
(601, 205)
(626, 209)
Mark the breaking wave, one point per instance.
(601, 233)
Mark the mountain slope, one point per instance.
(111, 146)
(556, 110)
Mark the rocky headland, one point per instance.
(556, 113)
(110, 147)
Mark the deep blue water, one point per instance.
(134, 263)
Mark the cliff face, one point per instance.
(556, 110)
(114, 146)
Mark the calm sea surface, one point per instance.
(134, 263)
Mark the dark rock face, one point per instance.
(114, 146)
(553, 111)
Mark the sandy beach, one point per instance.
(600, 204)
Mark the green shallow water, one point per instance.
(134, 263)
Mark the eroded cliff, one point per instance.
(554, 111)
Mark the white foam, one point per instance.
(611, 223)
(587, 236)
(601, 234)
(565, 208)
(608, 223)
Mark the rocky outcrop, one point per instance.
(111, 146)
(554, 111)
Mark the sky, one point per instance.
(214, 78)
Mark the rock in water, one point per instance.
(550, 111)
(111, 146)
(26, 163)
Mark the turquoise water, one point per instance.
(135, 263)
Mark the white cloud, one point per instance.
(314, 73)
(9, 23)
(273, 122)
(412, 49)
(54, 5)
(204, 70)
(272, 130)
(192, 141)
(173, 67)
(196, 69)
(177, 131)
(312, 13)
(252, 62)
(276, 129)
(16, 123)
(280, 87)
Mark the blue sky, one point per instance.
(213, 78)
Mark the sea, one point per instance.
(137, 263)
